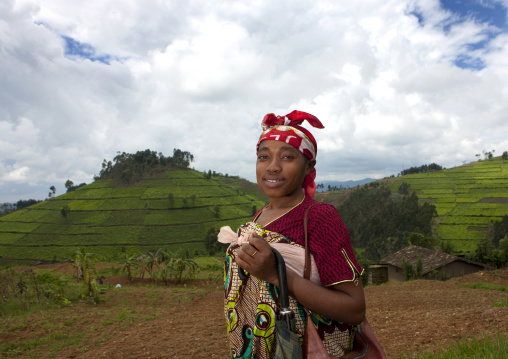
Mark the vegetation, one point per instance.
(383, 222)
(485, 348)
(171, 210)
(84, 262)
(469, 199)
(30, 290)
(421, 169)
(127, 168)
(489, 286)
(214, 247)
(71, 187)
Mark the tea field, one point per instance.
(172, 210)
(467, 199)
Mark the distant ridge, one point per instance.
(344, 184)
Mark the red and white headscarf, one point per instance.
(287, 129)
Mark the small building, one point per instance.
(435, 265)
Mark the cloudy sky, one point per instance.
(397, 83)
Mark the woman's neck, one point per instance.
(278, 208)
(280, 203)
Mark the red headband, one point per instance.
(287, 129)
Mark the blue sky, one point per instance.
(397, 83)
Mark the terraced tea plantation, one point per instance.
(173, 210)
(467, 198)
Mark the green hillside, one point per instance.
(173, 210)
(467, 199)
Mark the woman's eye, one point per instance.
(262, 157)
(288, 157)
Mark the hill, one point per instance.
(342, 184)
(468, 199)
(172, 209)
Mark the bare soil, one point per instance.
(141, 320)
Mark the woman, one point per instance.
(286, 156)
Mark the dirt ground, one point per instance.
(186, 321)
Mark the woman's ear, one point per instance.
(309, 166)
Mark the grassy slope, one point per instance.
(467, 198)
(107, 219)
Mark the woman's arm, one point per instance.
(344, 302)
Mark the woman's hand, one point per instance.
(257, 258)
(344, 302)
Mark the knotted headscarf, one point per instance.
(287, 129)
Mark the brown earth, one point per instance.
(186, 321)
(494, 200)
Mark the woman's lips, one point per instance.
(273, 182)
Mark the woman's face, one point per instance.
(281, 168)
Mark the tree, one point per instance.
(419, 268)
(127, 167)
(85, 261)
(148, 261)
(182, 266)
(65, 210)
(129, 263)
(505, 155)
(212, 245)
(52, 192)
(25, 203)
(68, 184)
(408, 269)
(403, 188)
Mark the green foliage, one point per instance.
(213, 246)
(209, 263)
(84, 262)
(403, 188)
(420, 240)
(421, 169)
(26, 203)
(65, 210)
(487, 253)
(129, 264)
(498, 231)
(182, 267)
(105, 218)
(127, 168)
(467, 199)
(489, 286)
(381, 222)
(472, 348)
(31, 290)
(408, 269)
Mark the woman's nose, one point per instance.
(274, 165)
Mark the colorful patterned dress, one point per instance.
(250, 306)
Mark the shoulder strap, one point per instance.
(307, 267)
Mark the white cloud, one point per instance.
(199, 76)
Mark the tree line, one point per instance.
(128, 167)
(421, 169)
